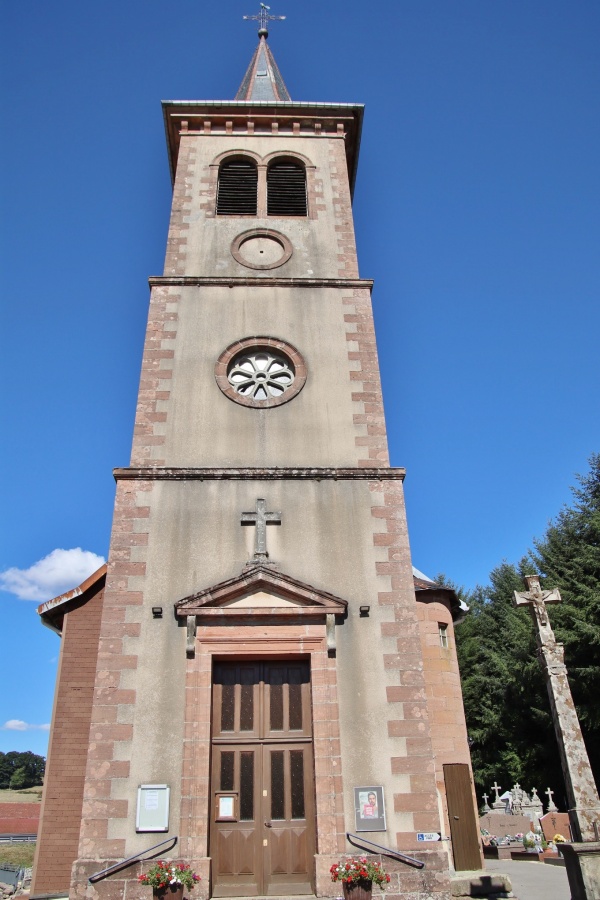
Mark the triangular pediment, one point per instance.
(261, 591)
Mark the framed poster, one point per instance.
(369, 808)
(152, 807)
(226, 806)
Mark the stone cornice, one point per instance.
(294, 120)
(257, 280)
(284, 473)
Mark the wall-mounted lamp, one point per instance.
(364, 610)
(157, 612)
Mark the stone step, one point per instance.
(273, 897)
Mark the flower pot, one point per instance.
(357, 890)
(170, 892)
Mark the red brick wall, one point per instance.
(19, 818)
(60, 818)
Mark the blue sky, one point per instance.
(477, 213)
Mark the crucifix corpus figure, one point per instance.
(581, 789)
(261, 518)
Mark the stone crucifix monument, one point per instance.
(581, 789)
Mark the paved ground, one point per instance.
(533, 880)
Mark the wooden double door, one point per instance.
(262, 835)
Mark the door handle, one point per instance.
(268, 825)
(456, 818)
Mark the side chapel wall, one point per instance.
(62, 800)
(444, 696)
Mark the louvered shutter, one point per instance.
(236, 194)
(286, 189)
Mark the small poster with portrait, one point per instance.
(369, 808)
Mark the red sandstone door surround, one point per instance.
(262, 772)
(261, 735)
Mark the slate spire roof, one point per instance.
(263, 80)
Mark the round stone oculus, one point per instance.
(261, 248)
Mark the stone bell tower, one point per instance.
(260, 689)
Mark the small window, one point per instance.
(443, 631)
(286, 189)
(236, 193)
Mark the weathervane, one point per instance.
(264, 18)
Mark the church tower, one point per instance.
(261, 681)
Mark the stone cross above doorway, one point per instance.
(581, 789)
(260, 518)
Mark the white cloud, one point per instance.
(60, 571)
(19, 725)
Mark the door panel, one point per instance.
(287, 700)
(287, 770)
(464, 830)
(236, 698)
(262, 757)
(236, 772)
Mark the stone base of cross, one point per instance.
(581, 789)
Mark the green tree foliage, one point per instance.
(21, 770)
(568, 557)
(506, 703)
(19, 779)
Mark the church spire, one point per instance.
(263, 80)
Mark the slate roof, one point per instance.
(262, 80)
(424, 584)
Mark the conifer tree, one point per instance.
(506, 703)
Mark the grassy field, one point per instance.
(28, 795)
(17, 854)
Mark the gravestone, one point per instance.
(500, 824)
(556, 823)
(536, 802)
(551, 804)
(533, 808)
(520, 800)
(497, 804)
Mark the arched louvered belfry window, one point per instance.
(286, 188)
(237, 189)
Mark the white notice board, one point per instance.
(152, 807)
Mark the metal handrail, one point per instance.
(98, 876)
(393, 854)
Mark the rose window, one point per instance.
(260, 371)
(260, 375)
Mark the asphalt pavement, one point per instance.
(533, 880)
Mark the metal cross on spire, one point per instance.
(263, 18)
